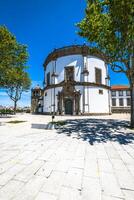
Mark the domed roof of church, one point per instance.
(73, 50)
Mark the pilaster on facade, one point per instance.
(54, 75)
(85, 71)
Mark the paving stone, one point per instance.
(91, 149)
(30, 189)
(91, 168)
(54, 183)
(125, 179)
(129, 149)
(29, 171)
(45, 196)
(23, 155)
(105, 165)
(90, 155)
(127, 159)
(109, 185)
(74, 178)
(10, 189)
(58, 142)
(102, 155)
(9, 174)
(67, 155)
(112, 153)
(29, 158)
(7, 156)
(65, 145)
(69, 194)
(73, 146)
(80, 152)
(105, 197)
(63, 165)
(60, 155)
(46, 169)
(91, 188)
(118, 164)
(46, 155)
(101, 152)
(78, 163)
(129, 194)
(117, 146)
(6, 165)
(131, 169)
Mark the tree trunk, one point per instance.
(131, 81)
(15, 106)
(132, 105)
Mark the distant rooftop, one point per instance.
(120, 87)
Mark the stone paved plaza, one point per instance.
(88, 158)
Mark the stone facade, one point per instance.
(37, 100)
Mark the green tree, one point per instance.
(20, 82)
(109, 27)
(12, 55)
(13, 58)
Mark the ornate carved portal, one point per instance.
(69, 100)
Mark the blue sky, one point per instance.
(44, 25)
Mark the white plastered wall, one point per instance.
(99, 103)
(94, 102)
(49, 100)
(61, 63)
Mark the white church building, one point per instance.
(76, 83)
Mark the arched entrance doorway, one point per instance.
(68, 100)
(68, 107)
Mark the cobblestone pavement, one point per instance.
(85, 159)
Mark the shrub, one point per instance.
(6, 111)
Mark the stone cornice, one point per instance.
(73, 50)
(61, 84)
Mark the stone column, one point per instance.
(54, 82)
(85, 88)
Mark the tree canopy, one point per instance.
(12, 55)
(13, 58)
(109, 26)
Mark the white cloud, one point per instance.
(3, 94)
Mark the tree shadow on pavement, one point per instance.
(98, 130)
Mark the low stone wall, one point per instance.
(121, 110)
(81, 114)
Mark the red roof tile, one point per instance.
(120, 87)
